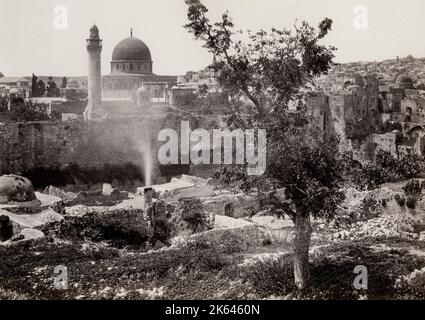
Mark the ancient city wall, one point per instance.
(33, 145)
(24, 146)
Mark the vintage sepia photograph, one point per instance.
(212, 150)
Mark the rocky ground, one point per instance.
(239, 258)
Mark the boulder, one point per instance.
(15, 188)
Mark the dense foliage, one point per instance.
(386, 168)
(22, 111)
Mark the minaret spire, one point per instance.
(131, 32)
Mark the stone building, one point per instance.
(318, 107)
(131, 69)
(386, 142)
(22, 85)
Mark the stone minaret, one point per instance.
(94, 49)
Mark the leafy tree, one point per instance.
(21, 111)
(3, 104)
(269, 69)
(64, 82)
(34, 86)
(52, 88)
(203, 89)
(413, 188)
(386, 168)
(391, 126)
(41, 87)
(1, 75)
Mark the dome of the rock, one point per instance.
(131, 49)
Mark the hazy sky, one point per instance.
(31, 44)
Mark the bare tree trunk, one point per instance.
(301, 247)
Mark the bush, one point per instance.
(22, 111)
(190, 215)
(158, 215)
(120, 229)
(385, 168)
(370, 176)
(411, 202)
(413, 188)
(272, 276)
(401, 200)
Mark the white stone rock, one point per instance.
(32, 234)
(22, 221)
(107, 189)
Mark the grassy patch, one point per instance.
(202, 269)
(332, 273)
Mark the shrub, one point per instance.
(190, 215)
(411, 202)
(158, 216)
(274, 276)
(401, 200)
(205, 254)
(385, 168)
(121, 228)
(6, 228)
(413, 188)
(371, 176)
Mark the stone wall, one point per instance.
(33, 145)
(25, 146)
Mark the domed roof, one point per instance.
(132, 48)
(404, 79)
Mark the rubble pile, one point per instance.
(65, 196)
(386, 226)
(363, 205)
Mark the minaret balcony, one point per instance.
(94, 43)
